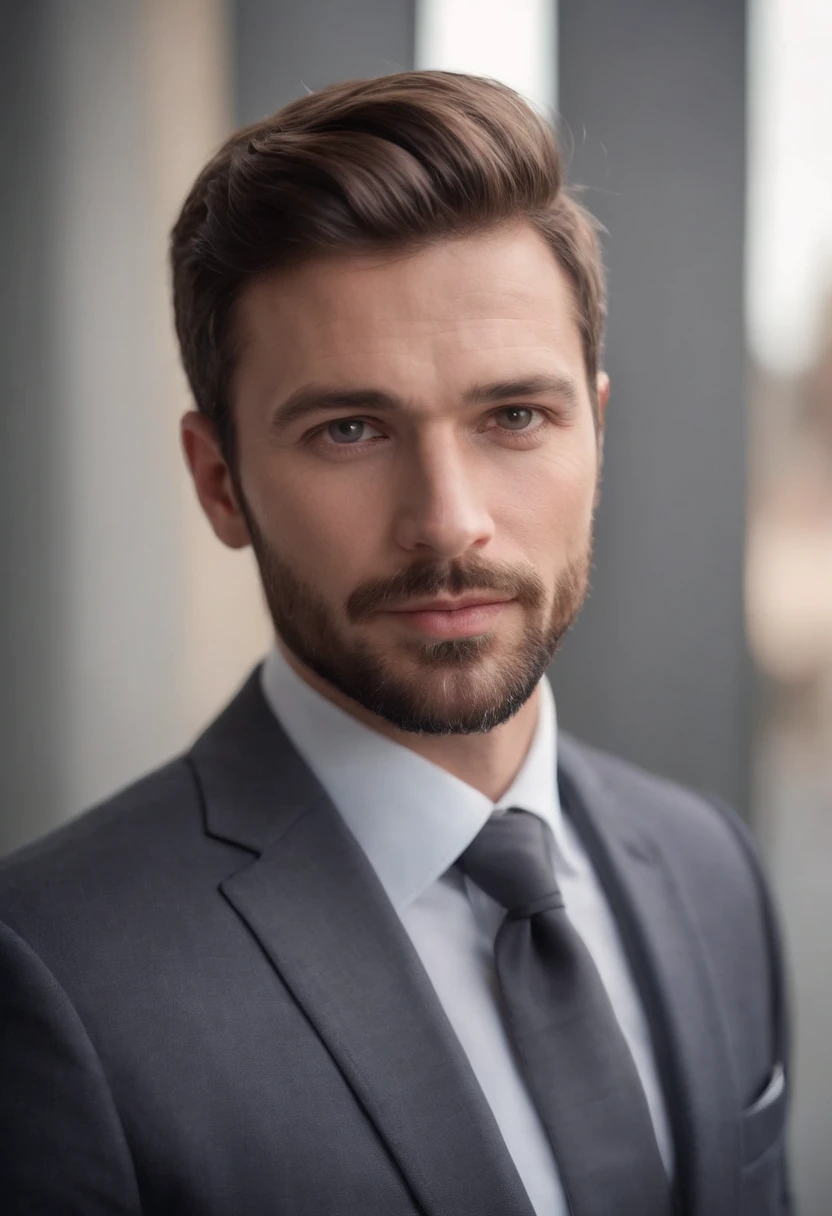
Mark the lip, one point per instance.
(462, 618)
(440, 605)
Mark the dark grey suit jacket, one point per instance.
(208, 1006)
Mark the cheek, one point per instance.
(550, 500)
(325, 527)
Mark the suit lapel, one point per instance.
(322, 918)
(672, 975)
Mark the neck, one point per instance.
(488, 762)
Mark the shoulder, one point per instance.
(116, 855)
(129, 813)
(704, 841)
(681, 821)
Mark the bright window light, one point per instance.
(513, 41)
(789, 250)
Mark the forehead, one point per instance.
(455, 308)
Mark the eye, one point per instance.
(519, 418)
(348, 431)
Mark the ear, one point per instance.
(212, 480)
(602, 395)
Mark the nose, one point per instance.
(442, 512)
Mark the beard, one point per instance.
(461, 686)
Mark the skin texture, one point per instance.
(363, 505)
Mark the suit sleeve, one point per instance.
(62, 1148)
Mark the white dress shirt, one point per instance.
(413, 820)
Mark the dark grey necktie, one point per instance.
(578, 1066)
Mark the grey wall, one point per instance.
(653, 95)
(283, 47)
(31, 475)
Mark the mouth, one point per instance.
(466, 616)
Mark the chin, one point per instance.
(456, 694)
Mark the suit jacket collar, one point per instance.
(254, 783)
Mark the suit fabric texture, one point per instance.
(209, 1007)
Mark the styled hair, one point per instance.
(392, 162)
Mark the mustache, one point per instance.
(451, 578)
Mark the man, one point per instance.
(382, 941)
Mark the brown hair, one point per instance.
(394, 161)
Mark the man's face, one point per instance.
(414, 434)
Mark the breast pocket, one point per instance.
(763, 1126)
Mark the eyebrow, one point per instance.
(312, 399)
(529, 386)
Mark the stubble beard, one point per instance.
(434, 687)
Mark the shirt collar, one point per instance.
(411, 817)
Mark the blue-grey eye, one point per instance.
(517, 417)
(346, 430)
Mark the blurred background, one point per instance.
(700, 132)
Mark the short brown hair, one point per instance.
(390, 162)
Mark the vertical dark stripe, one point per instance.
(653, 96)
(32, 471)
(282, 47)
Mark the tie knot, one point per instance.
(509, 860)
